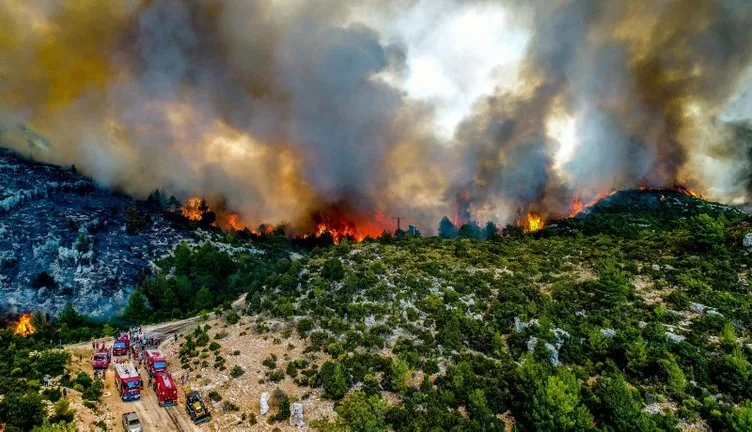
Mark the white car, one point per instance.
(131, 423)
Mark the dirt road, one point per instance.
(152, 416)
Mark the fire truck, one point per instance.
(121, 346)
(155, 362)
(127, 381)
(166, 390)
(101, 359)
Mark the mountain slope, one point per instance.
(56, 221)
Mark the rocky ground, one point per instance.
(57, 221)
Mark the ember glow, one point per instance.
(274, 110)
(24, 327)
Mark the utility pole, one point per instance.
(398, 219)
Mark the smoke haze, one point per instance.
(282, 110)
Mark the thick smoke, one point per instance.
(643, 83)
(275, 109)
(280, 110)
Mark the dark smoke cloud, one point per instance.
(273, 110)
(632, 75)
(279, 110)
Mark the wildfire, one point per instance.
(678, 188)
(341, 223)
(232, 222)
(532, 222)
(24, 327)
(192, 209)
(578, 205)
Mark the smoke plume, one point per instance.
(282, 110)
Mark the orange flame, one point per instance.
(578, 205)
(24, 327)
(191, 209)
(532, 222)
(232, 222)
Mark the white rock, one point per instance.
(264, 403)
(747, 242)
(296, 415)
(697, 307)
(608, 332)
(370, 321)
(673, 337)
(656, 267)
(532, 343)
(553, 354)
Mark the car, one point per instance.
(196, 408)
(131, 423)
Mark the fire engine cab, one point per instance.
(166, 390)
(121, 346)
(127, 381)
(101, 359)
(156, 362)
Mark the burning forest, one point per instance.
(318, 117)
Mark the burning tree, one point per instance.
(24, 327)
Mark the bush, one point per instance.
(63, 412)
(275, 375)
(236, 371)
(215, 396)
(334, 379)
(214, 346)
(270, 362)
(282, 402)
(232, 317)
(22, 411)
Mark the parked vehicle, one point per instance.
(121, 346)
(196, 408)
(131, 423)
(155, 362)
(101, 359)
(127, 381)
(165, 389)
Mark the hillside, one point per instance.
(63, 238)
(628, 317)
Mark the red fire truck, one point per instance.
(101, 359)
(127, 381)
(155, 362)
(121, 346)
(166, 390)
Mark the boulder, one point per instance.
(264, 403)
(747, 242)
(296, 415)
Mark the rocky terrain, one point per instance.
(63, 238)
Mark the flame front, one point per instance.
(532, 222)
(24, 327)
(191, 210)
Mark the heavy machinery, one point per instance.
(196, 408)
